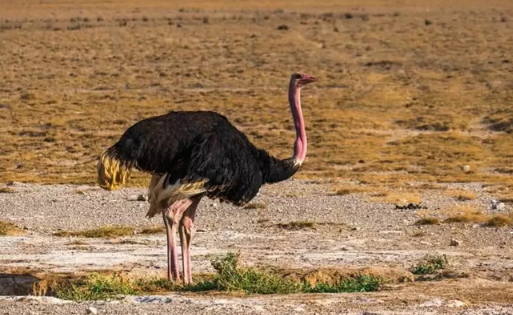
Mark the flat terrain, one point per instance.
(349, 232)
(413, 105)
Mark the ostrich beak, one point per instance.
(307, 79)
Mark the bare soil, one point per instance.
(350, 232)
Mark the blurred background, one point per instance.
(408, 90)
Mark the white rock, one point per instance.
(92, 310)
(432, 303)
(466, 168)
(455, 303)
(497, 205)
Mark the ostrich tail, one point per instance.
(112, 172)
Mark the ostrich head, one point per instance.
(301, 79)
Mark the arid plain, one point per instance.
(412, 107)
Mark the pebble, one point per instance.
(466, 168)
(497, 205)
(142, 198)
(92, 310)
(432, 303)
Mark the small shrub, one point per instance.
(430, 264)
(361, 283)
(95, 286)
(230, 277)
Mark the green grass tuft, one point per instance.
(361, 283)
(95, 286)
(430, 264)
(229, 277)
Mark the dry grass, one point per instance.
(9, 229)
(469, 214)
(296, 225)
(255, 205)
(347, 189)
(7, 190)
(397, 198)
(461, 195)
(500, 220)
(108, 231)
(396, 102)
(153, 230)
(464, 214)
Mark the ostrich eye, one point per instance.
(299, 76)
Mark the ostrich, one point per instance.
(192, 154)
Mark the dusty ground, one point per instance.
(362, 233)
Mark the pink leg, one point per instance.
(186, 230)
(172, 216)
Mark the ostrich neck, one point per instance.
(299, 124)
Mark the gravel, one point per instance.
(350, 231)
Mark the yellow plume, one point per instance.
(112, 173)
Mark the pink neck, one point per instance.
(299, 124)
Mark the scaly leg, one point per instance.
(186, 230)
(172, 216)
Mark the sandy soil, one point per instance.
(351, 231)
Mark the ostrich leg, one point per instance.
(172, 216)
(186, 230)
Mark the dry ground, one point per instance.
(409, 91)
(348, 232)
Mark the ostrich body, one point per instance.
(192, 154)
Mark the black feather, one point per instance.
(201, 145)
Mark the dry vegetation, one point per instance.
(110, 231)
(9, 229)
(463, 213)
(461, 195)
(399, 99)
